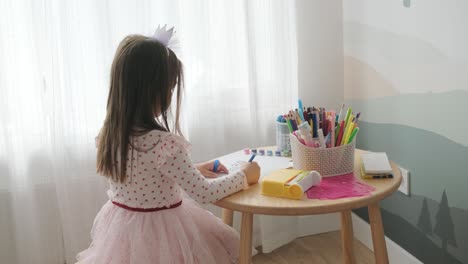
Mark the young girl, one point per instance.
(146, 219)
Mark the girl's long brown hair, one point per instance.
(144, 74)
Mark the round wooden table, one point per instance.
(250, 202)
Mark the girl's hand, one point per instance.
(251, 171)
(206, 169)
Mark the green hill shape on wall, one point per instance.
(435, 162)
(442, 113)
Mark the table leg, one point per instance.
(378, 238)
(245, 249)
(347, 237)
(227, 216)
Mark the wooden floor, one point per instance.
(318, 249)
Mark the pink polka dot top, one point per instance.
(159, 169)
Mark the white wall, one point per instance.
(320, 52)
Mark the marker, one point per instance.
(337, 133)
(296, 117)
(306, 117)
(315, 124)
(339, 115)
(289, 124)
(301, 113)
(357, 117)
(216, 165)
(321, 138)
(293, 124)
(348, 131)
(348, 114)
(353, 135)
(324, 122)
(327, 141)
(252, 157)
(340, 136)
(311, 121)
(332, 136)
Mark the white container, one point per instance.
(282, 137)
(327, 161)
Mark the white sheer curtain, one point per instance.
(240, 62)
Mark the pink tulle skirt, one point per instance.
(185, 234)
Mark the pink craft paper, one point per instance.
(336, 187)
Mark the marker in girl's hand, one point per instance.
(252, 157)
(215, 165)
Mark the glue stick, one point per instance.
(303, 182)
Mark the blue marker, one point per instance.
(301, 113)
(252, 157)
(315, 124)
(216, 165)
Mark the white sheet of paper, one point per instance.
(266, 163)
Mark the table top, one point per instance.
(251, 201)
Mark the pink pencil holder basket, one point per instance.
(328, 161)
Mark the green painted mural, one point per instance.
(441, 113)
(405, 69)
(435, 161)
(439, 169)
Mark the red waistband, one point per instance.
(147, 209)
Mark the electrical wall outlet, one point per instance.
(405, 181)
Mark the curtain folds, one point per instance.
(241, 71)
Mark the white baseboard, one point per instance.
(396, 254)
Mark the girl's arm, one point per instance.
(179, 167)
